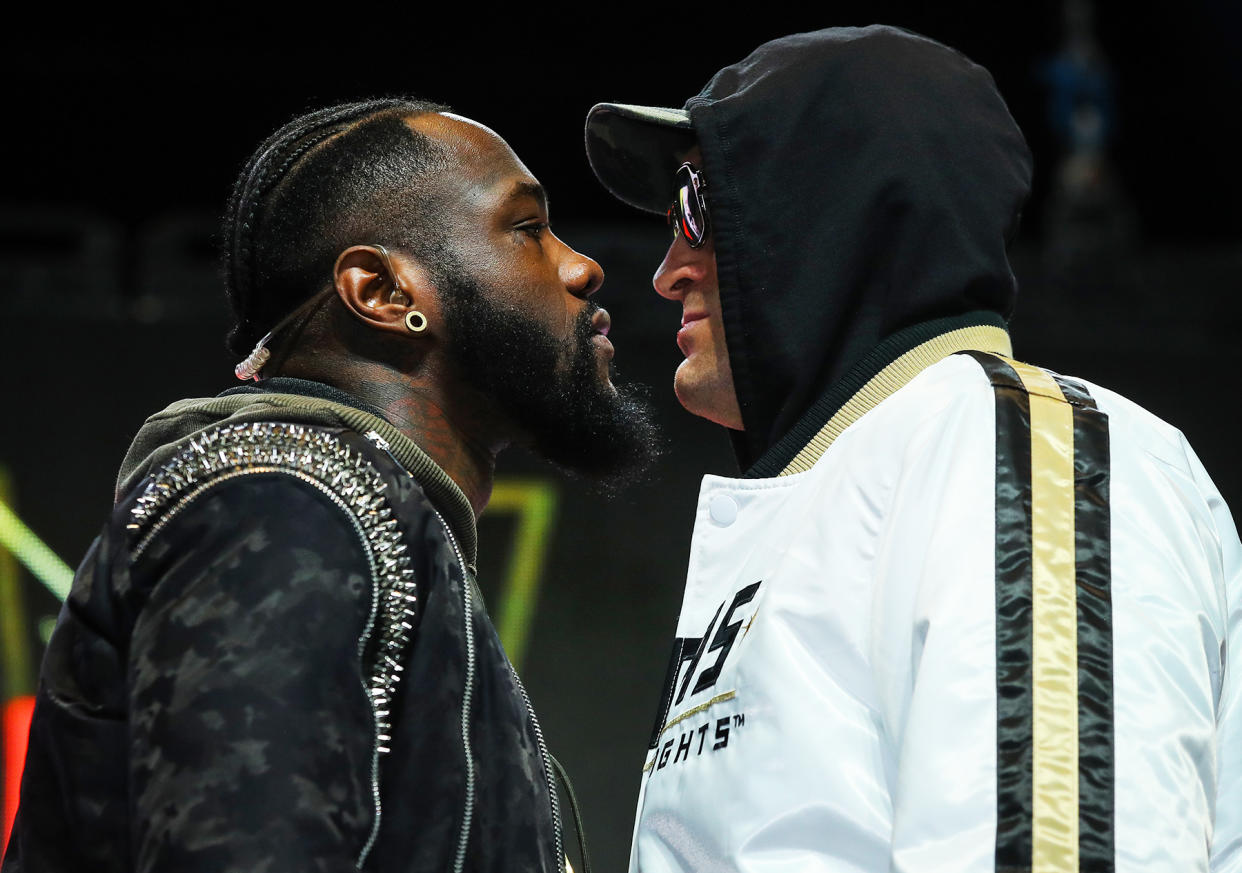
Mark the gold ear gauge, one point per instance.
(415, 321)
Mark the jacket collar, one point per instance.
(296, 400)
(887, 368)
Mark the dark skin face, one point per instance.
(499, 235)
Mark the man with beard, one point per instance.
(959, 613)
(275, 656)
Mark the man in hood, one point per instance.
(958, 613)
(275, 657)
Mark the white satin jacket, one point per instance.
(984, 622)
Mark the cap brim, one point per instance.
(635, 150)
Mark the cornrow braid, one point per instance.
(242, 262)
(249, 190)
(341, 175)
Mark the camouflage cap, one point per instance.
(635, 150)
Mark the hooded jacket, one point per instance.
(868, 188)
(862, 183)
(959, 613)
(275, 657)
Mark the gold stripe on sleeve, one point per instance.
(1054, 643)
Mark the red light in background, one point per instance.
(16, 731)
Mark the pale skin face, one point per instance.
(704, 380)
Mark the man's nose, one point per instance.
(582, 275)
(681, 268)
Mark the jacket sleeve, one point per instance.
(252, 738)
(1227, 838)
(935, 636)
(1060, 622)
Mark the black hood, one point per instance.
(863, 181)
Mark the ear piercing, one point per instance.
(414, 320)
(249, 368)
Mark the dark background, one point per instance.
(123, 139)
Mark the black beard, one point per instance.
(550, 389)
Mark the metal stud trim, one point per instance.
(343, 474)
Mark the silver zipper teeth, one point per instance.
(356, 488)
(547, 771)
(530, 710)
(468, 813)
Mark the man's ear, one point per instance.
(380, 289)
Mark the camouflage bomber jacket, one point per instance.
(275, 658)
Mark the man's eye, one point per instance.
(535, 229)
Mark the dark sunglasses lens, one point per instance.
(687, 208)
(691, 220)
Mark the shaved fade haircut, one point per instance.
(349, 174)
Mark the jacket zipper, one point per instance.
(459, 861)
(185, 500)
(530, 711)
(547, 772)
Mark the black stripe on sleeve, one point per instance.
(1092, 536)
(1014, 802)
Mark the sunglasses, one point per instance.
(688, 214)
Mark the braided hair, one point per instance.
(348, 174)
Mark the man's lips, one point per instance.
(601, 323)
(688, 320)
